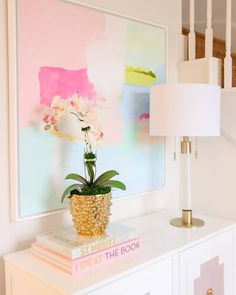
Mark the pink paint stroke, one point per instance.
(144, 116)
(58, 81)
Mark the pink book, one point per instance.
(87, 262)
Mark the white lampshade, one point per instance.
(185, 110)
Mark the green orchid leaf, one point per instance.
(77, 177)
(68, 191)
(105, 177)
(114, 184)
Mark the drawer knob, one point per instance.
(210, 292)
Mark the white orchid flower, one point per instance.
(94, 139)
(83, 110)
(59, 106)
(55, 101)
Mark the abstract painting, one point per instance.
(64, 48)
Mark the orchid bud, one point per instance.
(46, 118)
(47, 127)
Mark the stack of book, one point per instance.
(72, 253)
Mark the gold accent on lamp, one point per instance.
(187, 221)
(186, 147)
(185, 110)
(210, 292)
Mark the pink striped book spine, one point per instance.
(87, 262)
(52, 263)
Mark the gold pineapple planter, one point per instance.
(90, 214)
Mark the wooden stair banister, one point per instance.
(228, 59)
(219, 51)
(209, 31)
(191, 36)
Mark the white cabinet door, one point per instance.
(208, 266)
(19, 282)
(152, 280)
(234, 263)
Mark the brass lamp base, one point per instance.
(186, 221)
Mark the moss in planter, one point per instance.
(90, 191)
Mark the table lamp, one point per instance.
(185, 110)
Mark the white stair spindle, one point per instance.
(228, 58)
(209, 31)
(191, 36)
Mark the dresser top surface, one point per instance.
(159, 240)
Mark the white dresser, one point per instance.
(173, 261)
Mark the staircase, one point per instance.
(210, 60)
(219, 51)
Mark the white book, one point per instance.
(68, 243)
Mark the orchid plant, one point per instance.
(92, 136)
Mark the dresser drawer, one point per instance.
(152, 280)
(208, 267)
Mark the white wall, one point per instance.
(15, 236)
(214, 181)
(214, 178)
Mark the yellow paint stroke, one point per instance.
(64, 134)
(139, 76)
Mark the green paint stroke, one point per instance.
(139, 76)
